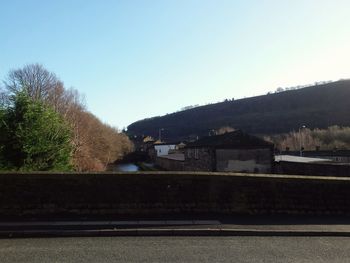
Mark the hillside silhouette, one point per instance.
(318, 106)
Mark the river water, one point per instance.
(126, 167)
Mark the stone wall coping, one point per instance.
(177, 173)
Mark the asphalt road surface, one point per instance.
(176, 249)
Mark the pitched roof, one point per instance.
(235, 139)
(166, 143)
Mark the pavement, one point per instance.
(187, 227)
(176, 249)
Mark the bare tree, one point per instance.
(224, 129)
(33, 79)
(95, 144)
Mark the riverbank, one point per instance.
(147, 166)
(134, 157)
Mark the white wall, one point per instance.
(164, 149)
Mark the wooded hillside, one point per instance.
(318, 106)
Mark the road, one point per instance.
(176, 249)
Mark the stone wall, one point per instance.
(244, 160)
(174, 193)
(200, 159)
(170, 164)
(319, 169)
(229, 160)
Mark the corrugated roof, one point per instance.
(326, 153)
(298, 159)
(235, 139)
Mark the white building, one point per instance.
(164, 148)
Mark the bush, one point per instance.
(33, 137)
(95, 144)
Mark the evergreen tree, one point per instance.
(33, 137)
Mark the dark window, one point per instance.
(196, 153)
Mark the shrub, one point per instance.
(33, 137)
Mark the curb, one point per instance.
(168, 232)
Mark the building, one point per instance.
(230, 152)
(164, 148)
(339, 156)
(296, 165)
(142, 143)
(299, 159)
(171, 162)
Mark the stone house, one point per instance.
(230, 152)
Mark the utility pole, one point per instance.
(160, 134)
(300, 140)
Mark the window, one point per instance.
(196, 153)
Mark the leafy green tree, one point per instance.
(33, 137)
(94, 143)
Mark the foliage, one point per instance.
(334, 137)
(33, 137)
(94, 143)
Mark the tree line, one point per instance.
(334, 137)
(45, 126)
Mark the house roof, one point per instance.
(235, 139)
(164, 144)
(298, 159)
(323, 153)
(167, 143)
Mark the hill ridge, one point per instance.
(316, 106)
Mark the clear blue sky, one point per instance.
(136, 59)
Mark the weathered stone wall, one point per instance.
(247, 160)
(169, 164)
(320, 169)
(175, 193)
(200, 159)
